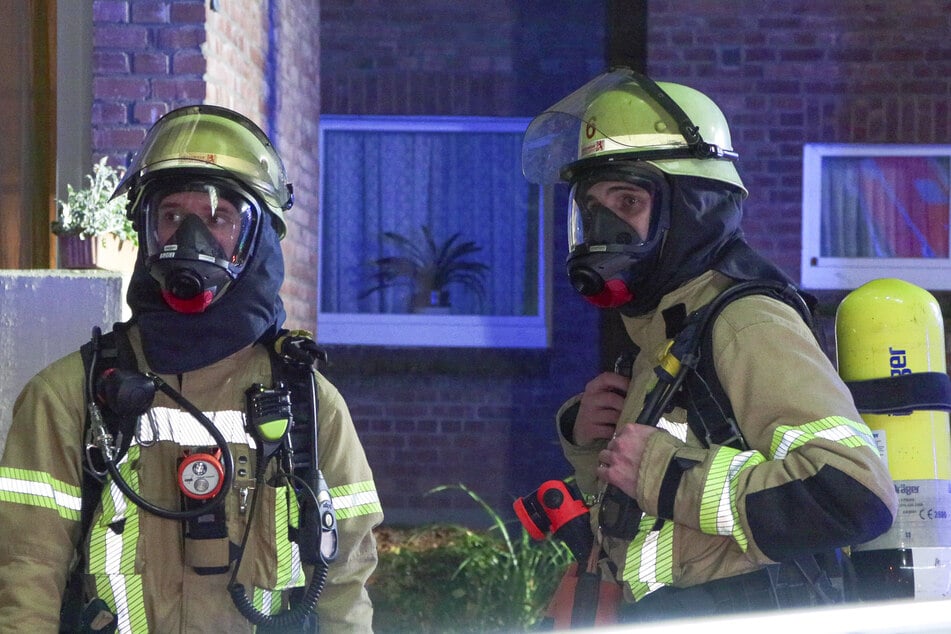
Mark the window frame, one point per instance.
(841, 273)
(437, 330)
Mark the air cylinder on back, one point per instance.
(891, 328)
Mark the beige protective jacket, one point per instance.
(812, 481)
(137, 562)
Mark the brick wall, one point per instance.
(150, 57)
(484, 418)
(787, 74)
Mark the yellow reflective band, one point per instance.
(649, 564)
(266, 601)
(39, 489)
(112, 552)
(354, 500)
(834, 428)
(290, 573)
(718, 513)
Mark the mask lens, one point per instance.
(201, 220)
(617, 210)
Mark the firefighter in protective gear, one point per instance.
(654, 231)
(207, 193)
(219, 154)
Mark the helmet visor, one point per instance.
(208, 220)
(619, 114)
(211, 139)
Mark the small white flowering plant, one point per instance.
(89, 212)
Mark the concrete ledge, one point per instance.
(45, 315)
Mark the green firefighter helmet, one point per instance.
(205, 140)
(624, 116)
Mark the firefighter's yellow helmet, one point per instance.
(205, 140)
(624, 116)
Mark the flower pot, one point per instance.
(101, 252)
(432, 302)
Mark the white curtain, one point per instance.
(885, 207)
(453, 182)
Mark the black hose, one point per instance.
(227, 459)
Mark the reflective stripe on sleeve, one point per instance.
(650, 558)
(354, 500)
(835, 428)
(718, 513)
(39, 489)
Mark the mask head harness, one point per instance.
(199, 232)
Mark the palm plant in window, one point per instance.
(429, 268)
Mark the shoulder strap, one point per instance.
(99, 354)
(709, 412)
(294, 357)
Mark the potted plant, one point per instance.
(429, 268)
(93, 230)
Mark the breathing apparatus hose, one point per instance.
(220, 441)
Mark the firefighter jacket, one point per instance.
(142, 565)
(811, 481)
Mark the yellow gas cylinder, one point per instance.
(888, 328)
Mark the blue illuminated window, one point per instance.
(389, 185)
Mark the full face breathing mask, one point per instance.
(607, 256)
(199, 235)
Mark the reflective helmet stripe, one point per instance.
(632, 142)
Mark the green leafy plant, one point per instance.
(429, 268)
(452, 579)
(89, 212)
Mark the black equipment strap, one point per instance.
(709, 413)
(294, 358)
(903, 393)
(111, 350)
(103, 351)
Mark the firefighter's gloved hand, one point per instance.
(620, 462)
(600, 408)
